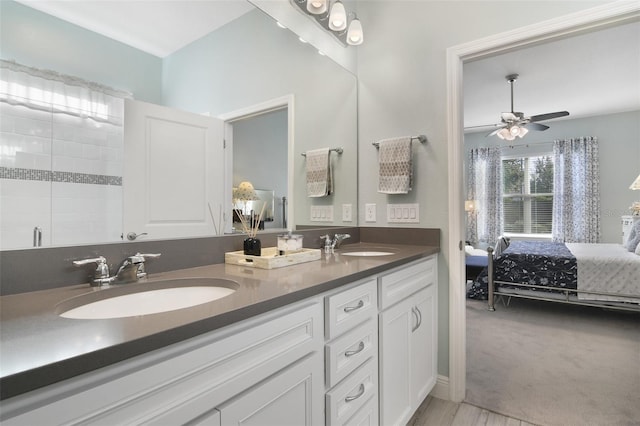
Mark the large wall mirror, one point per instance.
(246, 62)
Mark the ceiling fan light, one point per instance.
(317, 7)
(338, 17)
(523, 131)
(355, 35)
(514, 130)
(504, 134)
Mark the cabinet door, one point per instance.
(395, 325)
(423, 345)
(291, 397)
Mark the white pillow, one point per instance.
(634, 236)
(638, 249)
(470, 251)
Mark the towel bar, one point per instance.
(421, 138)
(338, 150)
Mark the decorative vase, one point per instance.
(252, 246)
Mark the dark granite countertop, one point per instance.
(39, 348)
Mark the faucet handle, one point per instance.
(149, 255)
(101, 274)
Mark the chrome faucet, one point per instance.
(131, 269)
(331, 244)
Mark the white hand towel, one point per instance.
(395, 166)
(319, 182)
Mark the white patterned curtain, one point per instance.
(484, 184)
(576, 187)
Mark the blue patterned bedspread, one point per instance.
(541, 263)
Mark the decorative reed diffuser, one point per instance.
(250, 226)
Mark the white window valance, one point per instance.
(58, 93)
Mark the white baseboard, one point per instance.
(441, 389)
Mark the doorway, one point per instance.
(588, 20)
(262, 135)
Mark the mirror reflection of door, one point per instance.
(173, 172)
(260, 156)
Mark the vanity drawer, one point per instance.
(353, 393)
(350, 308)
(397, 285)
(350, 350)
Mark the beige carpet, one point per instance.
(553, 364)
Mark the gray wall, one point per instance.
(619, 148)
(402, 78)
(260, 156)
(33, 38)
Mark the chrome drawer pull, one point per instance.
(357, 351)
(354, 397)
(353, 308)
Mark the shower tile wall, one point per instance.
(60, 173)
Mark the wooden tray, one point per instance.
(270, 258)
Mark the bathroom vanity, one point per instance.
(344, 339)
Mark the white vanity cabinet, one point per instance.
(408, 339)
(245, 373)
(351, 355)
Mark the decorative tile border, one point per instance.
(55, 176)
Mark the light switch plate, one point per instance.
(370, 212)
(403, 213)
(347, 213)
(321, 214)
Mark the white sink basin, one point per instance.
(160, 296)
(367, 253)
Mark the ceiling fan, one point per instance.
(515, 124)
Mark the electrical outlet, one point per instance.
(346, 213)
(370, 212)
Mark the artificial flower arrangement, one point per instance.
(635, 208)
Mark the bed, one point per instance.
(584, 274)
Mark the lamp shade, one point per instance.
(636, 184)
(355, 35)
(469, 205)
(317, 7)
(245, 192)
(338, 17)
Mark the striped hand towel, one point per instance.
(395, 166)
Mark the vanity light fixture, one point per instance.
(355, 35)
(334, 18)
(338, 17)
(317, 7)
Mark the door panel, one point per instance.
(173, 171)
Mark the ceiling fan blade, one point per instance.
(536, 126)
(482, 126)
(548, 116)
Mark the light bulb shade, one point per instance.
(523, 131)
(245, 192)
(316, 7)
(469, 205)
(635, 186)
(504, 134)
(514, 130)
(338, 17)
(355, 36)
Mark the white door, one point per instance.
(173, 171)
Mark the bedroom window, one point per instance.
(527, 194)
